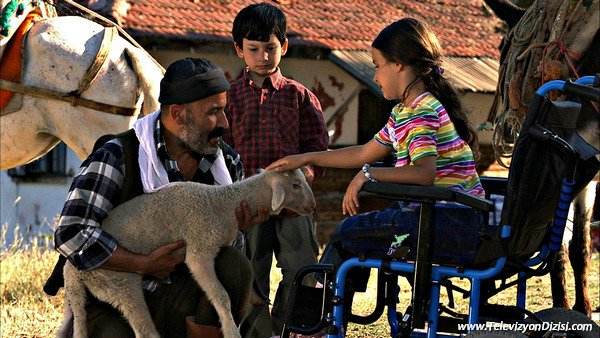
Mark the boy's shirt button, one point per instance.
(263, 121)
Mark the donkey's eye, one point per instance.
(296, 185)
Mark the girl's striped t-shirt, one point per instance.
(425, 129)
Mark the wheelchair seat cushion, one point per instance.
(457, 231)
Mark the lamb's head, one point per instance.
(290, 191)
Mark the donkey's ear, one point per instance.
(278, 195)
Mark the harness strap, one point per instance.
(104, 21)
(92, 71)
(43, 92)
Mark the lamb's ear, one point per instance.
(278, 194)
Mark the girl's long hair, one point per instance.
(410, 42)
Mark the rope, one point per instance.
(563, 50)
(539, 47)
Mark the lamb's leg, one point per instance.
(123, 291)
(202, 268)
(66, 328)
(75, 298)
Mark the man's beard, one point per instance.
(197, 141)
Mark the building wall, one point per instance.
(32, 207)
(479, 105)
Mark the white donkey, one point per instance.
(57, 54)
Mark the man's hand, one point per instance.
(246, 219)
(160, 262)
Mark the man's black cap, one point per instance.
(191, 79)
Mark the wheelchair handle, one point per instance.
(594, 81)
(582, 91)
(578, 88)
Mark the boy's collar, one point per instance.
(276, 78)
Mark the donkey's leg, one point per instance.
(203, 269)
(558, 279)
(123, 291)
(579, 248)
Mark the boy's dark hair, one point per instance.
(257, 22)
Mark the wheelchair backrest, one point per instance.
(538, 168)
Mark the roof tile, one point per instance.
(464, 27)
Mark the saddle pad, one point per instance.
(10, 66)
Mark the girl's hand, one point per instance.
(288, 163)
(350, 203)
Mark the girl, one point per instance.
(428, 130)
(433, 143)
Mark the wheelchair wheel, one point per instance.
(496, 334)
(561, 316)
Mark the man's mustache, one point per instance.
(217, 132)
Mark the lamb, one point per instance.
(203, 216)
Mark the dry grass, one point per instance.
(27, 312)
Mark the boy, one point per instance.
(270, 117)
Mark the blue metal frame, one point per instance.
(440, 272)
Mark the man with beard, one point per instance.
(179, 142)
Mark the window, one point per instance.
(54, 163)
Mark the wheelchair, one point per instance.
(555, 156)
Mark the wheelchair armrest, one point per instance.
(494, 185)
(419, 193)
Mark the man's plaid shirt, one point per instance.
(94, 191)
(281, 118)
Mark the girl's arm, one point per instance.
(348, 157)
(422, 172)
